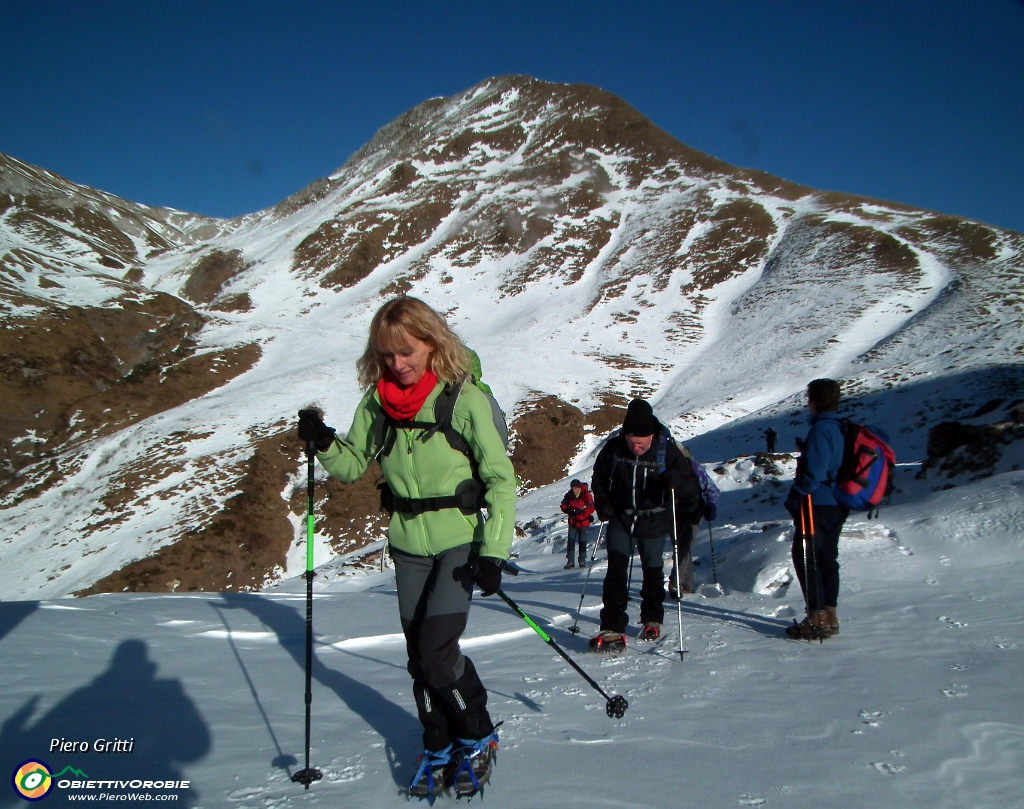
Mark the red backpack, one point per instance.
(865, 476)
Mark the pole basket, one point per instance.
(307, 776)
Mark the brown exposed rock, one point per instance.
(74, 374)
(548, 435)
(311, 194)
(246, 541)
(348, 513)
(608, 416)
(234, 303)
(349, 248)
(209, 275)
(965, 240)
(238, 548)
(503, 140)
(957, 448)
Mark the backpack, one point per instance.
(468, 497)
(865, 476)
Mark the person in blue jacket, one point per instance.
(817, 514)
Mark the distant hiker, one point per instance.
(815, 510)
(438, 540)
(578, 503)
(687, 525)
(770, 437)
(633, 477)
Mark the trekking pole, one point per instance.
(575, 624)
(308, 775)
(615, 706)
(711, 541)
(814, 563)
(807, 582)
(629, 580)
(675, 567)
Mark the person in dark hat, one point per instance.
(578, 504)
(634, 477)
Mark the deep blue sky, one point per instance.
(226, 108)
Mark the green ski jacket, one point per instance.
(417, 468)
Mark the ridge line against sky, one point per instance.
(224, 109)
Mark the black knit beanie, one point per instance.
(639, 419)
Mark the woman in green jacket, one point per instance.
(438, 539)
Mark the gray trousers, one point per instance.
(577, 536)
(684, 552)
(434, 594)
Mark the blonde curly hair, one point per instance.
(404, 316)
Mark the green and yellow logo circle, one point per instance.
(32, 780)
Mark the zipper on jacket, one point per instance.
(414, 492)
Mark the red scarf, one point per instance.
(400, 402)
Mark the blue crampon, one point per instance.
(426, 783)
(475, 762)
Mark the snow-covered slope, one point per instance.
(915, 703)
(582, 252)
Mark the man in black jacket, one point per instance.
(633, 478)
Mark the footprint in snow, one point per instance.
(886, 768)
(871, 718)
(746, 799)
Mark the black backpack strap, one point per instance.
(444, 410)
(385, 428)
(468, 498)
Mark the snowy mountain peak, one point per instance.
(155, 358)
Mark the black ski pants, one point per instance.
(821, 587)
(616, 589)
(434, 594)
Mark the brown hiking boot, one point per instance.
(814, 627)
(831, 620)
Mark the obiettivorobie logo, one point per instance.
(33, 780)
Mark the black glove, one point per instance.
(671, 479)
(487, 574)
(793, 503)
(312, 428)
(710, 512)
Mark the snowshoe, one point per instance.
(608, 641)
(432, 776)
(651, 631)
(475, 761)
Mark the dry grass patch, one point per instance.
(211, 272)
(737, 241)
(548, 435)
(77, 374)
(238, 548)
